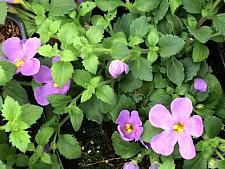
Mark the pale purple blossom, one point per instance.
(129, 125)
(200, 85)
(178, 127)
(117, 67)
(130, 165)
(21, 53)
(8, 1)
(154, 165)
(41, 93)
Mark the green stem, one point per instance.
(106, 82)
(222, 140)
(203, 19)
(25, 83)
(74, 101)
(219, 154)
(24, 13)
(101, 50)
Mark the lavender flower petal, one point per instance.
(12, 48)
(123, 118)
(186, 146)
(194, 126)
(31, 46)
(30, 67)
(130, 165)
(44, 75)
(160, 117)
(200, 85)
(164, 142)
(181, 108)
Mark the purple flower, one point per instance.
(117, 67)
(129, 126)
(21, 53)
(55, 59)
(179, 127)
(154, 166)
(130, 165)
(200, 85)
(80, 1)
(41, 93)
(8, 1)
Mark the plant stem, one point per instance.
(106, 82)
(63, 122)
(25, 83)
(203, 19)
(219, 154)
(24, 13)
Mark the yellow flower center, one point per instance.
(55, 85)
(19, 63)
(129, 128)
(178, 127)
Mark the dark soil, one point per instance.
(8, 30)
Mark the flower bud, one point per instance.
(130, 165)
(117, 67)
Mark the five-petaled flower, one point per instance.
(130, 165)
(41, 93)
(178, 127)
(129, 125)
(21, 53)
(200, 85)
(117, 67)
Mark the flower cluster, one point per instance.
(21, 53)
(178, 127)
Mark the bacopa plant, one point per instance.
(138, 70)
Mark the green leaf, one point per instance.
(68, 33)
(31, 113)
(95, 34)
(68, 146)
(221, 164)
(153, 36)
(123, 24)
(2, 165)
(123, 102)
(212, 126)
(43, 135)
(136, 29)
(86, 7)
(82, 78)
(220, 110)
(59, 102)
(199, 162)
(22, 160)
(193, 6)
(123, 148)
(76, 117)
(59, 8)
(62, 72)
(176, 24)
(167, 164)
(47, 51)
(91, 62)
(7, 70)
(149, 132)
(170, 45)
(203, 34)
(108, 5)
(200, 52)
(161, 12)
(146, 6)
(20, 139)
(11, 109)
(3, 14)
(119, 50)
(130, 83)
(174, 4)
(16, 91)
(87, 94)
(68, 56)
(142, 69)
(190, 68)
(92, 110)
(106, 94)
(152, 56)
(46, 158)
(218, 23)
(175, 71)
(215, 91)
(160, 82)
